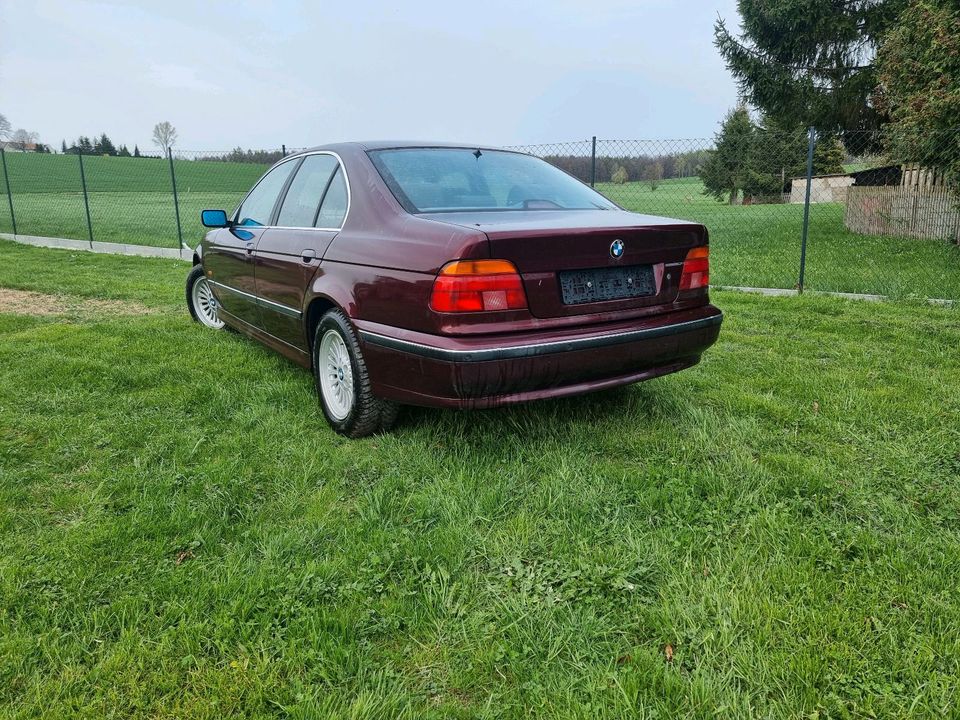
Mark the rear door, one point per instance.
(310, 215)
(229, 259)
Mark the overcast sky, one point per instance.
(259, 74)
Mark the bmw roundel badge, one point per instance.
(616, 249)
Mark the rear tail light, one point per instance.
(696, 269)
(478, 286)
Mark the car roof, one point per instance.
(395, 144)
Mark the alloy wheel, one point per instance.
(205, 304)
(336, 375)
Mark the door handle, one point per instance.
(250, 246)
(308, 255)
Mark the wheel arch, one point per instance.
(315, 310)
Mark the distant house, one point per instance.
(10, 146)
(823, 188)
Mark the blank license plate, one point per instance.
(599, 284)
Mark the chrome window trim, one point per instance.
(537, 349)
(300, 156)
(263, 302)
(270, 169)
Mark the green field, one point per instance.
(131, 199)
(757, 246)
(774, 533)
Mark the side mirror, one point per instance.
(214, 218)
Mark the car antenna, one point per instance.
(477, 153)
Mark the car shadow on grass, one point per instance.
(636, 405)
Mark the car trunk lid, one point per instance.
(586, 262)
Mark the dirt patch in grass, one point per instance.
(26, 302)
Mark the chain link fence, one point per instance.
(784, 209)
(875, 222)
(147, 200)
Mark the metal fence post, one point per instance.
(283, 149)
(811, 141)
(86, 201)
(6, 179)
(176, 200)
(593, 162)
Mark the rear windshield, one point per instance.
(428, 180)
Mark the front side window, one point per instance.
(302, 202)
(428, 180)
(334, 206)
(258, 205)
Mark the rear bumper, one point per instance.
(431, 370)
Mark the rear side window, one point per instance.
(302, 202)
(258, 205)
(334, 206)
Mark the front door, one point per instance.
(228, 264)
(228, 260)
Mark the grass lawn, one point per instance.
(773, 533)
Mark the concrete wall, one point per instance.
(825, 189)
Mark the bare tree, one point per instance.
(22, 139)
(653, 174)
(4, 127)
(164, 136)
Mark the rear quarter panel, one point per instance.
(382, 264)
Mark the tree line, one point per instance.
(239, 155)
(101, 145)
(624, 168)
(164, 137)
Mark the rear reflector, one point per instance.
(696, 269)
(478, 286)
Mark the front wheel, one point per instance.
(200, 300)
(343, 385)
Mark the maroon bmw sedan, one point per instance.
(450, 276)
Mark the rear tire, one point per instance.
(201, 302)
(343, 384)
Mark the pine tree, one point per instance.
(725, 173)
(828, 155)
(136, 151)
(809, 62)
(778, 153)
(84, 146)
(104, 146)
(63, 146)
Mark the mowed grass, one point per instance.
(774, 533)
(131, 201)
